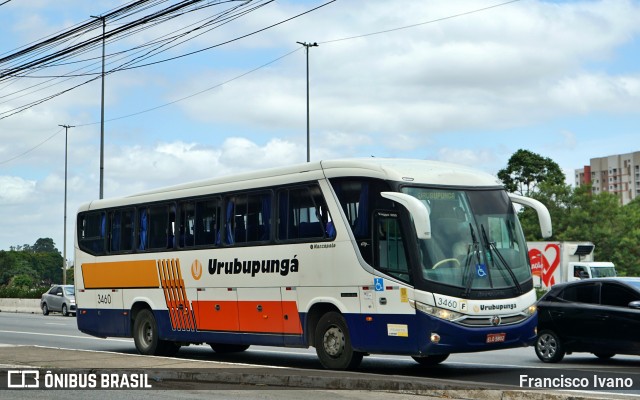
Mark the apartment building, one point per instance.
(619, 174)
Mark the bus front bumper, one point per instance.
(445, 337)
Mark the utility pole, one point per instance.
(102, 113)
(307, 45)
(64, 245)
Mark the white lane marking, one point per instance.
(66, 336)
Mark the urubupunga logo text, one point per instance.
(498, 307)
(283, 267)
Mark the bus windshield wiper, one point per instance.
(470, 272)
(491, 246)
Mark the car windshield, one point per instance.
(476, 240)
(69, 290)
(603, 272)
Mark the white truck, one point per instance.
(556, 262)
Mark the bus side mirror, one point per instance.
(543, 213)
(417, 209)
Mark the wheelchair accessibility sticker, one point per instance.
(481, 270)
(378, 284)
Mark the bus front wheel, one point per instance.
(146, 337)
(333, 344)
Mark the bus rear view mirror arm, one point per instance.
(417, 209)
(541, 210)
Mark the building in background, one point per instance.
(618, 174)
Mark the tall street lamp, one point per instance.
(64, 248)
(102, 113)
(307, 45)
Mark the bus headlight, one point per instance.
(529, 311)
(435, 311)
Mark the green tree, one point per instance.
(22, 281)
(576, 213)
(44, 245)
(595, 218)
(627, 251)
(526, 170)
(559, 201)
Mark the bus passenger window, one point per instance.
(186, 231)
(121, 230)
(248, 218)
(92, 232)
(207, 220)
(303, 214)
(390, 254)
(143, 229)
(160, 227)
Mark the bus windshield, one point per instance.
(476, 240)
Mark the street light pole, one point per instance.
(102, 113)
(307, 45)
(64, 245)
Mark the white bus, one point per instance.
(352, 257)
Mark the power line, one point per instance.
(291, 52)
(262, 66)
(228, 14)
(31, 149)
(197, 93)
(420, 23)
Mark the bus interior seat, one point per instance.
(310, 229)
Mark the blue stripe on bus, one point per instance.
(376, 337)
(371, 337)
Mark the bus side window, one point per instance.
(390, 255)
(92, 232)
(186, 231)
(207, 222)
(158, 227)
(121, 230)
(143, 229)
(358, 197)
(248, 218)
(303, 214)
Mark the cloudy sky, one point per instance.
(460, 81)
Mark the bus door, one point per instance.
(390, 298)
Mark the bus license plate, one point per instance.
(496, 337)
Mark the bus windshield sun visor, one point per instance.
(543, 213)
(417, 209)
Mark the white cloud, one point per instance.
(403, 93)
(15, 190)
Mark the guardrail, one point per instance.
(31, 306)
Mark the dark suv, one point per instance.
(61, 298)
(599, 316)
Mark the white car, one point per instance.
(60, 298)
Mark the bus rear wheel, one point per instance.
(333, 343)
(228, 348)
(146, 337)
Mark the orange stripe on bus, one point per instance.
(180, 313)
(120, 274)
(246, 316)
(216, 315)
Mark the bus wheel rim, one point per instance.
(334, 341)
